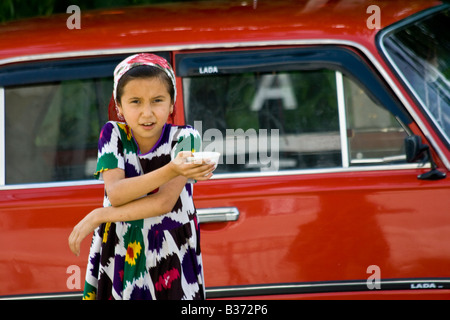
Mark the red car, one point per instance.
(332, 119)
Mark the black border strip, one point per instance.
(273, 289)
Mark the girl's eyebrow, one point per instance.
(139, 98)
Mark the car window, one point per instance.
(54, 111)
(269, 115)
(420, 53)
(51, 129)
(267, 121)
(374, 135)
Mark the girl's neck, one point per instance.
(147, 145)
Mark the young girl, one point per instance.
(146, 237)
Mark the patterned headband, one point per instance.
(143, 59)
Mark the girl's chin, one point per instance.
(147, 132)
(148, 128)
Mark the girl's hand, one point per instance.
(192, 170)
(81, 230)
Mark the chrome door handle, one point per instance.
(222, 214)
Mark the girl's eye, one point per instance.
(158, 100)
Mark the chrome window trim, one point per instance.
(294, 42)
(54, 184)
(301, 172)
(342, 119)
(220, 176)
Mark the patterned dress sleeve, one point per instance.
(186, 139)
(110, 150)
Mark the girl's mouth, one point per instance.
(148, 125)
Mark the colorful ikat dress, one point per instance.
(152, 258)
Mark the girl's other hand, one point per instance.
(82, 230)
(192, 170)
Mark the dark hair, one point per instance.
(142, 72)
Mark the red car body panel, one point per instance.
(188, 24)
(35, 225)
(293, 228)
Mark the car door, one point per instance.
(52, 113)
(313, 193)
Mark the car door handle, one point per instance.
(222, 214)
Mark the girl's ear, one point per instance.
(171, 118)
(119, 111)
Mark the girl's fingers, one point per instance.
(72, 243)
(205, 177)
(202, 169)
(182, 157)
(76, 237)
(203, 172)
(197, 170)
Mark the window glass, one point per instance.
(290, 120)
(374, 134)
(420, 52)
(52, 129)
(267, 121)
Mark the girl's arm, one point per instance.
(150, 206)
(121, 191)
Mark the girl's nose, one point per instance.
(147, 110)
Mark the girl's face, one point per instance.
(146, 104)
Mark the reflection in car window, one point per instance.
(302, 106)
(421, 52)
(52, 129)
(374, 135)
(299, 107)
